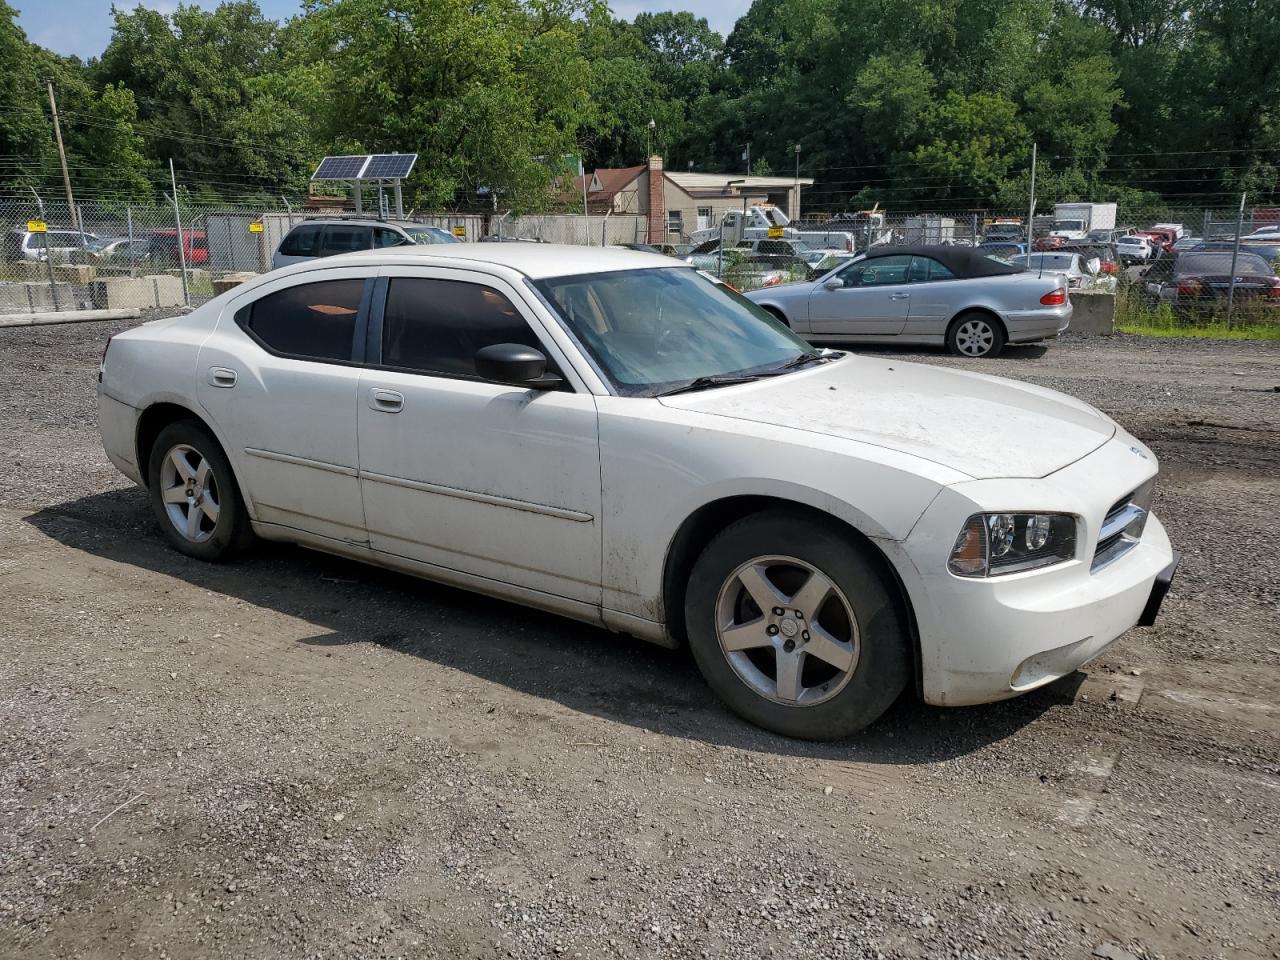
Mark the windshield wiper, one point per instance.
(803, 359)
(706, 383)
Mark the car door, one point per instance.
(278, 380)
(935, 293)
(490, 480)
(867, 298)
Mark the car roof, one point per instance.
(962, 261)
(359, 221)
(535, 260)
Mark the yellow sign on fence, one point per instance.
(37, 226)
(775, 233)
(255, 226)
(459, 231)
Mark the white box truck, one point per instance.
(1073, 221)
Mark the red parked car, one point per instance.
(163, 247)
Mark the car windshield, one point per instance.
(431, 235)
(1219, 264)
(652, 331)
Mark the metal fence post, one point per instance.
(182, 252)
(48, 262)
(1235, 253)
(128, 213)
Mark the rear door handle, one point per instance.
(899, 296)
(222, 377)
(388, 401)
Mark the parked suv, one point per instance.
(21, 244)
(324, 238)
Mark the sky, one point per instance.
(83, 27)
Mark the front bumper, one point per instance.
(990, 639)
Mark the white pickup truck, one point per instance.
(758, 222)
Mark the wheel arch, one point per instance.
(991, 312)
(156, 416)
(697, 530)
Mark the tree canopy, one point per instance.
(908, 103)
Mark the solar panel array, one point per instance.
(383, 166)
(378, 166)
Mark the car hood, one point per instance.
(982, 426)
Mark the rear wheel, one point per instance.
(792, 626)
(975, 335)
(194, 494)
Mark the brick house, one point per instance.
(676, 204)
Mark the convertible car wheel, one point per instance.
(975, 335)
(793, 628)
(194, 494)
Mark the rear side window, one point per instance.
(343, 238)
(436, 326)
(301, 242)
(313, 321)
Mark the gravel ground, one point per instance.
(299, 756)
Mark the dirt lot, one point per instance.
(300, 756)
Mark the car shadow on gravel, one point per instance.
(618, 678)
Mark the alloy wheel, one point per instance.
(787, 630)
(189, 491)
(975, 337)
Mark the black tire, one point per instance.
(882, 665)
(959, 339)
(218, 540)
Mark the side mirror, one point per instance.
(835, 283)
(516, 365)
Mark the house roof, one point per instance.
(604, 183)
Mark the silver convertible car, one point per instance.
(957, 296)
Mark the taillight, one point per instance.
(1108, 267)
(1274, 292)
(1188, 288)
(1054, 298)
(102, 364)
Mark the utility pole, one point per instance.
(747, 156)
(62, 155)
(1031, 210)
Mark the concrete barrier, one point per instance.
(32, 296)
(79, 273)
(159, 290)
(1093, 314)
(229, 280)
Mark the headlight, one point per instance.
(991, 544)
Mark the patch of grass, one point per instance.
(1251, 320)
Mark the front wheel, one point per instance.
(975, 335)
(194, 494)
(793, 627)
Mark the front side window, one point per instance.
(312, 321)
(436, 326)
(650, 330)
(343, 238)
(383, 237)
(878, 272)
(301, 242)
(431, 235)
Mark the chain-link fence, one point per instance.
(155, 256)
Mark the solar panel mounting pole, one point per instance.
(395, 188)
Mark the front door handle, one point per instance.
(222, 377)
(388, 401)
(899, 296)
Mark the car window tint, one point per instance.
(315, 321)
(343, 238)
(382, 237)
(436, 326)
(301, 242)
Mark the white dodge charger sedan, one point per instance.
(611, 436)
